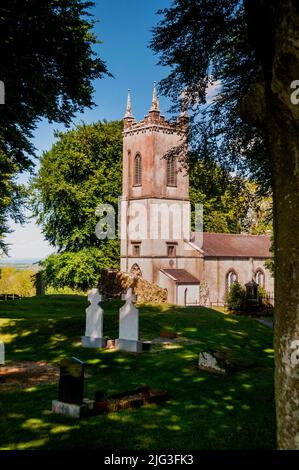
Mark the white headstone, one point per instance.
(2, 353)
(94, 321)
(94, 315)
(129, 317)
(129, 324)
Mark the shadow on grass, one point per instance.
(203, 412)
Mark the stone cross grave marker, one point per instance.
(94, 322)
(129, 324)
(2, 353)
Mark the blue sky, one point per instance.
(125, 31)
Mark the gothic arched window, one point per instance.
(260, 277)
(137, 170)
(231, 277)
(171, 172)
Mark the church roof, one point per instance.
(232, 245)
(181, 276)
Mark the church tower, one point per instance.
(156, 241)
(155, 207)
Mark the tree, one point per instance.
(205, 43)
(20, 282)
(81, 171)
(11, 198)
(250, 49)
(47, 66)
(230, 204)
(79, 270)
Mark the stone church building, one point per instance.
(157, 243)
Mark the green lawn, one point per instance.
(204, 411)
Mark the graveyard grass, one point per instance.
(204, 411)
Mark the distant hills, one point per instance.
(20, 263)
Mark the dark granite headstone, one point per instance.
(71, 381)
(252, 298)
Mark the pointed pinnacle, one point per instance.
(155, 102)
(129, 107)
(184, 101)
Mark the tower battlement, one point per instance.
(153, 121)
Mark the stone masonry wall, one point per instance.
(113, 283)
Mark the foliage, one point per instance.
(270, 263)
(251, 49)
(80, 270)
(63, 291)
(13, 281)
(205, 44)
(11, 198)
(265, 302)
(81, 171)
(230, 204)
(235, 297)
(47, 65)
(200, 408)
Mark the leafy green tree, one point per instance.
(250, 49)
(81, 171)
(231, 204)
(12, 196)
(79, 270)
(20, 282)
(205, 43)
(47, 66)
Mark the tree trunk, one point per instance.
(285, 152)
(280, 64)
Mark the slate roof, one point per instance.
(232, 245)
(181, 276)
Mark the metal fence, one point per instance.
(5, 297)
(268, 299)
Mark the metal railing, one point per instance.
(5, 297)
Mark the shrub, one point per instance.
(264, 299)
(235, 297)
(14, 281)
(79, 270)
